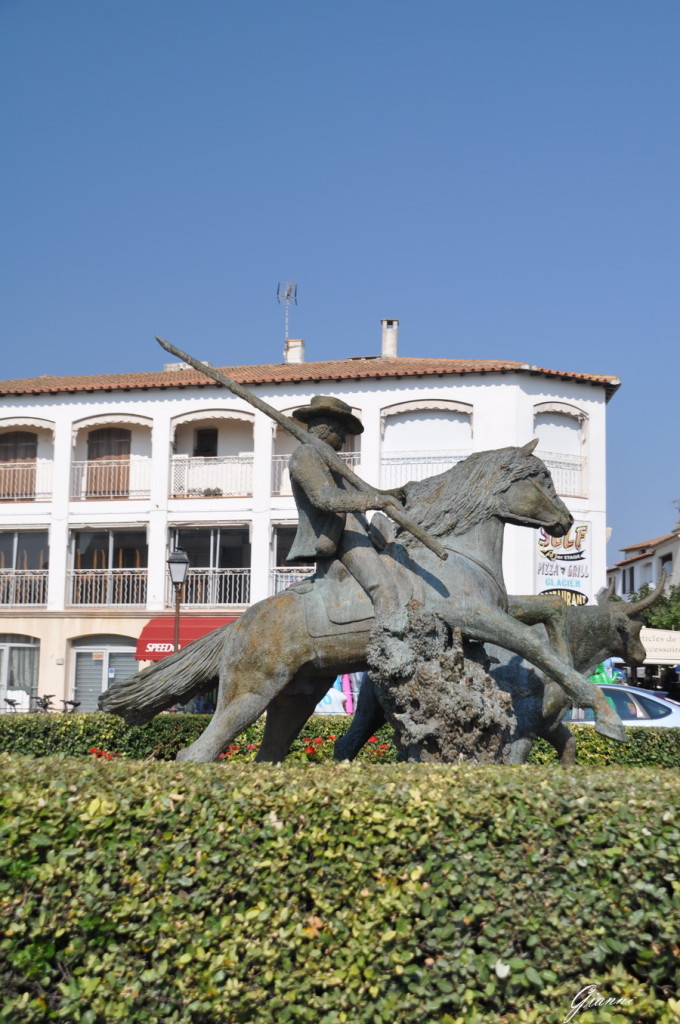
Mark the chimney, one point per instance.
(294, 351)
(390, 335)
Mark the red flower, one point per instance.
(93, 750)
(307, 739)
(384, 746)
(310, 750)
(372, 739)
(331, 737)
(252, 746)
(318, 740)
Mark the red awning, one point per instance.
(156, 639)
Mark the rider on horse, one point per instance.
(332, 524)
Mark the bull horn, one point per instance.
(605, 595)
(639, 606)
(529, 446)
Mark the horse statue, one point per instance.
(284, 653)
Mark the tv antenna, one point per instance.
(286, 293)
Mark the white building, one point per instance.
(645, 562)
(101, 476)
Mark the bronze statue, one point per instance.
(284, 653)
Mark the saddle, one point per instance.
(335, 603)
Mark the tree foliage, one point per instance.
(665, 612)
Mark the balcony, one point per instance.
(19, 587)
(213, 587)
(107, 587)
(568, 473)
(30, 480)
(215, 476)
(105, 479)
(285, 576)
(397, 468)
(281, 478)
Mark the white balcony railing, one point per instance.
(108, 587)
(129, 477)
(26, 481)
(23, 586)
(211, 476)
(213, 587)
(285, 576)
(281, 478)
(397, 468)
(568, 473)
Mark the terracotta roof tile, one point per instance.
(627, 561)
(646, 544)
(282, 373)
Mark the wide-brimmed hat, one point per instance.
(325, 405)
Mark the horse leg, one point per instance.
(564, 742)
(551, 612)
(520, 750)
(224, 726)
(265, 650)
(287, 714)
(368, 717)
(500, 628)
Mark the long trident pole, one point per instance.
(331, 458)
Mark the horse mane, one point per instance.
(467, 493)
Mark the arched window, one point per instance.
(18, 454)
(108, 458)
(561, 432)
(212, 454)
(422, 438)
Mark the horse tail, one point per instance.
(174, 680)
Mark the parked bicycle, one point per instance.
(44, 704)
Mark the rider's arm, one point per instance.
(311, 473)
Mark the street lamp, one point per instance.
(178, 566)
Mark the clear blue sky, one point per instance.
(501, 176)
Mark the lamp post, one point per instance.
(178, 566)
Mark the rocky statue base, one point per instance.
(449, 709)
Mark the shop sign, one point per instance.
(662, 646)
(563, 565)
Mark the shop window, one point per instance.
(19, 659)
(99, 661)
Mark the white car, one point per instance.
(635, 707)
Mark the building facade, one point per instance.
(102, 476)
(644, 564)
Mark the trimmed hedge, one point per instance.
(42, 735)
(239, 894)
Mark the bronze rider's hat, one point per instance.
(325, 405)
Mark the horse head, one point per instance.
(530, 498)
(510, 484)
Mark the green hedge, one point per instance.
(241, 894)
(41, 735)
